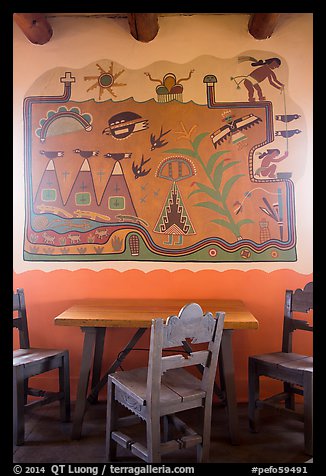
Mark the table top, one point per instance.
(140, 312)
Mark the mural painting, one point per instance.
(192, 162)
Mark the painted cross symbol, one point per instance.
(143, 199)
(65, 174)
(100, 173)
(67, 78)
(83, 199)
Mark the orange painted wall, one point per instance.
(50, 293)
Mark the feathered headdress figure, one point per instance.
(241, 59)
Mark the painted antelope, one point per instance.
(48, 239)
(101, 233)
(75, 238)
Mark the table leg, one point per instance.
(227, 381)
(97, 362)
(122, 355)
(88, 349)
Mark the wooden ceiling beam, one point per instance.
(143, 26)
(262, 25)
(34, 26)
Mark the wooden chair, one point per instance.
(164, 388)
(27, 362)
(294, 370)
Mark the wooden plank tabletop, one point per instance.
(140, 312)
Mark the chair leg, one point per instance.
(253, 394)
(18, 406)
(289, 401)
(64, 384)
(153, 436)
(25, 390)
(204, 447)
(308, 412)
(111, 420)
(165, 428)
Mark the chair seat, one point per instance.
(289, 360)
(287, 366)
(178, 385)
(28, 356)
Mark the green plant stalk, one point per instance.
(234, 226)
(231, 224)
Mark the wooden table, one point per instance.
(95, 316)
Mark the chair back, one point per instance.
(20, 318)
(299, 301)
(190, 324)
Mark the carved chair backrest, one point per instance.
(20, 318)
(299, 301)
(190, 324)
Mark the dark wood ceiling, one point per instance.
(143, 26)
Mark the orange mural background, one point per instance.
(50, 293)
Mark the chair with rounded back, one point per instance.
(30, 361)
(155, 394)
(294, 370)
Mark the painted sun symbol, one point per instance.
(105, 81)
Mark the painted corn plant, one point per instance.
(219, 189)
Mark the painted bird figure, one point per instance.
(117, 155)
(287, 134)
(157, 143)
(86, 154)
(52, 154)
(287, 117)
(138, 169)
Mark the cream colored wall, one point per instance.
(77, 42)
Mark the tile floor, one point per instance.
(280, 439)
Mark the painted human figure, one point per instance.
(268, 164)
(264, 71)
